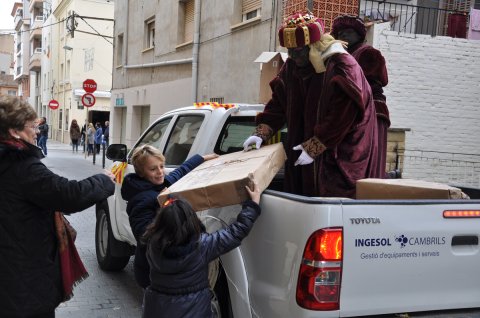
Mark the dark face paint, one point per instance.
(350, 36)
(300, 55)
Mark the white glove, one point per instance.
(304, 158)
(247, 145)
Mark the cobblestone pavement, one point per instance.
(102, 294)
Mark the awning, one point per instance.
(80, 92)
(266, 57)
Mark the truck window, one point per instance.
(154, 136)
(181, 139)
(236, 130)
(234, 133)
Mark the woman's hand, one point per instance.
(210, 156)
(109, 174)
(254, 193)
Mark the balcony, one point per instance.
(36, 60)
(405, 18)
(36, 29)
(18, 20)
(35, 4)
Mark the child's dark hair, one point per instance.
(175, 224)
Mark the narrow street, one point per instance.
(102, 294)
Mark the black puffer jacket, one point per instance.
(30, 281)
(180, 275)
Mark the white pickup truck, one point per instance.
(313, 256)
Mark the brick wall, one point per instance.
(434, 90)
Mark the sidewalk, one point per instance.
(61, 159)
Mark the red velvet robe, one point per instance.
(375, 70)
(337, 107)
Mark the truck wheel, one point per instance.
(221, 305)
(103, 242)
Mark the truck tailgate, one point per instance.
(404, 257)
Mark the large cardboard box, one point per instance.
(221, 182)
(406, 189)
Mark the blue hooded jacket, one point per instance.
(142, 206)
(179, 275)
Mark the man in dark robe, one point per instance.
(324, 99)
(352, 30)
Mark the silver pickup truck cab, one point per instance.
(313, 256)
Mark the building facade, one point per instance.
(21, 17)
(77, 45)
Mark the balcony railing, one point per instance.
(406, 18)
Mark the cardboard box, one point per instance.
(221, 182)
(406, 189)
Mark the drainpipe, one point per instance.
(163, 63)
(196, 46)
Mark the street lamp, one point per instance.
(63, 122)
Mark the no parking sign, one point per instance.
(88, 100)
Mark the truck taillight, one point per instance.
(318, 286)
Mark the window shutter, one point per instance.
(189, 19)
(250, 5)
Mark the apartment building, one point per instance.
(173, 53)
(21, 74)
(77, 45)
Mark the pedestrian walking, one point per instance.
(32, 281)
(98, 137)
(90, 139)
(43, 133)
(106, 133)
(75, 135)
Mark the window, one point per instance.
(120, 49)
(181, 139)
(236, 130)
(150, 33)
(251, 9)
(60, 119)
(12, 92)
(154, 135)
(189, 16)
(88, 61)
(234, 133)
(219, 100)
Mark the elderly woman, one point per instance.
(30, 279)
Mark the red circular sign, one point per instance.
(53, 104)
(89, 85)
(88, 100)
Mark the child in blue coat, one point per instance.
(179, 252)
(141, 190)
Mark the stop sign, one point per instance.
(53, 104)
(89, 85)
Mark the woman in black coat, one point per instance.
(30, 278)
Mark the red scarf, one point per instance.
(71, 266)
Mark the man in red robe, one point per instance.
(326, 103)
(352, 30)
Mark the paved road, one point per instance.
(103, 294)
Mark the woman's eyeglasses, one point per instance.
(34, 127)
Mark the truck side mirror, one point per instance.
(117, 152)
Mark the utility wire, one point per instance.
(83, 18)
(39, 28)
